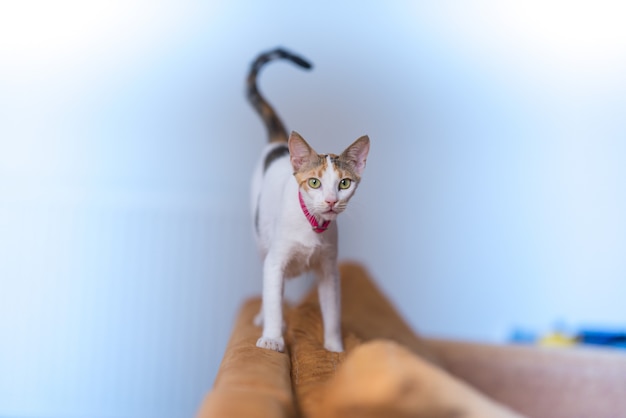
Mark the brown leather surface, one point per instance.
(366, 315)
(381, 378)
(542, 382)
(251, 382)
(386, 369)
(389, 371)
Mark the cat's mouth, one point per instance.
(330, 213)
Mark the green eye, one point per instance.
(314, 183)
(345, 183)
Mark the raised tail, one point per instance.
(275, 129)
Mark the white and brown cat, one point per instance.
(296, 197)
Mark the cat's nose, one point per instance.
(331, 202)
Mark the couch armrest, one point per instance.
(251, 382)
(541, 381)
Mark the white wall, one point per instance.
(493, 196)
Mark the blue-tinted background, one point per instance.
(494, 196)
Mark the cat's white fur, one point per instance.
(288, 244)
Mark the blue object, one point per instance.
(604, 338)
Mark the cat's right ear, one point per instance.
(299, 151)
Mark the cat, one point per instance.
(296, 197)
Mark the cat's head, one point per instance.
(327, 181)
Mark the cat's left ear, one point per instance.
(356, 154)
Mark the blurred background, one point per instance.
(493, 200)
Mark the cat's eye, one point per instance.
(314, 183)
(344, 184)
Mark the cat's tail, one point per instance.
(275, 128)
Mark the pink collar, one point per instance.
(316, 226)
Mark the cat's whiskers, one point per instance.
(355, 210)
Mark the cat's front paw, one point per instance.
(275, 344)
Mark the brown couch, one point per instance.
(389, 371)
